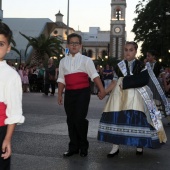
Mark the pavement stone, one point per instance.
(40, 142)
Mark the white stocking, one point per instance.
(114, 149)
(139, 149)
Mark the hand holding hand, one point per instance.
(101, 94)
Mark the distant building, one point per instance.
(34, 27)
(96, 43)
(29, 26)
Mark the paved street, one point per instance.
(40, 142)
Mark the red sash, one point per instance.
(76, 81)
(2, 113)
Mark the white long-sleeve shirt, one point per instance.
(11, 93)
(78, 63)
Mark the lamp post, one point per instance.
(68, 18)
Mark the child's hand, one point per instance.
(101, 94)
(6, 149)
(60, 100)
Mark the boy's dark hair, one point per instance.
(5, 30)
(74, 35)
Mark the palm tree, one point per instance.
(43, 47)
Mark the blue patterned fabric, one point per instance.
(127, 128)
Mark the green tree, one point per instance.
(103, 61)
(43, 48)
(152, 26)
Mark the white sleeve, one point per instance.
(61, 78)
(13, 100)
(91, 70)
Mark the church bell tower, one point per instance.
(117, 28)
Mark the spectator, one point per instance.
(25, 79)
(50, 77)
(107, 76)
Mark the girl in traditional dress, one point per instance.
(130, 116)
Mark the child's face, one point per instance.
(74, 45)
(129, 52)
(4, 46)
(150, 57)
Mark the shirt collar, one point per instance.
(131, 62)
(3, 62)
(70, 55)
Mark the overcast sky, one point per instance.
(83, 13)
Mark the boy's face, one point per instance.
(130, 52)
(4, 46)
(74, 45)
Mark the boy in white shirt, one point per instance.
(74, 72)
(10, 99)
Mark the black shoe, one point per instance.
(111, 155)
(70, 153)
(169, 124)
(139, 153)
(83, 153)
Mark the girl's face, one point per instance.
(74, 45)
(4, 46)
(129, 52)
(150, 57)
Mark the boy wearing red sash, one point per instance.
(10, 99)
(74, 72)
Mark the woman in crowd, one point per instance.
(25, 79)
(107, 76)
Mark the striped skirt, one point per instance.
(126, 120)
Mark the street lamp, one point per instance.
(68, 18)
(16, 62)
(160, 60)
(54, 57)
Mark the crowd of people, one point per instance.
(38, 78)
(130, 116)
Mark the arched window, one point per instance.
(89, 53)
(118, 14)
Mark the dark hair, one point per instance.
(152, 52)
(74, 35)
(133, 43)
(5, 30)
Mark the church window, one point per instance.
(55, 32)
(118, 14)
